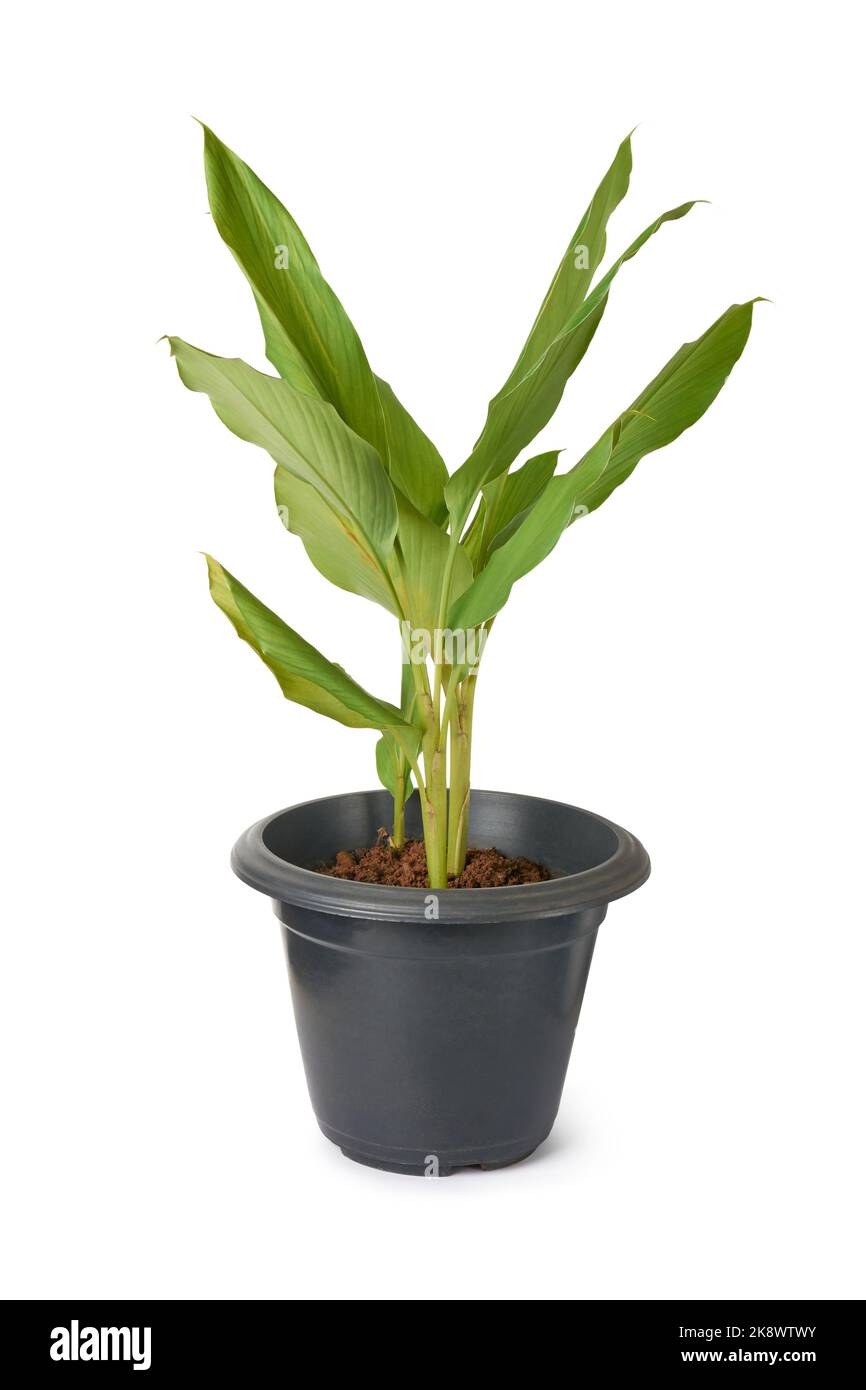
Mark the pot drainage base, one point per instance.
(419, 1170)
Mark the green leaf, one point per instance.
(331, 548)
(524, 407)
(508, 496)
(567, 290)
(308, 334)
(388, 765)
(411, 585)
(415, 464)
(306, 437)
(674, 400)
(303, 673)
(309, 337)
(683, 390)
(583, 255)
(418, 569)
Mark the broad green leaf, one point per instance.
(418, 568)
(415, 464)
(331, 548)
(305, 436)
(583, 255)
(392, 767)
(683, 390)
(533, 540)
(303, 673)
(567, 290)
(391, 761)
(307, 331)
(524, 407)
(309, 338)
(674, 400)
(509, 496)
(409, 587)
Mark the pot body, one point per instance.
(429, 1047)
(436, 1029)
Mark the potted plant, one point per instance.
(437, 967)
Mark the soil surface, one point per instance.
(407, 867)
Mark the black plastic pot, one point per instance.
(436, 1028)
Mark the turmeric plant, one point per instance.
(370, 497)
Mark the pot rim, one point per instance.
(260, 868)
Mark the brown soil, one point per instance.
(407, 867)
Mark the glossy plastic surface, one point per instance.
(436, 1028)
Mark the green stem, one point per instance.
(444, 600)
(461, 754)
(436, 820)
(398, 834)
(451, 698)
(425, 705)
(433, 786)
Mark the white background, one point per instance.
(687, 662)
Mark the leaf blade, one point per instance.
(679, 395)
(331, 549)
(674, 400)
(517, 414)
(304, 675)
(309, 337)
(416, 467)
(388, 764)
(307, 331)
(305, 436)
(418, 568)
(574, 274)
(495, 514)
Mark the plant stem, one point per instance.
(452, 691)
(436, 822)
(398, 834)
(408, 703)
(444, 599)
(461, 753)
(424, 705)
(433, 787)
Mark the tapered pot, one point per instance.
(436, 1028)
